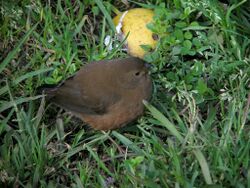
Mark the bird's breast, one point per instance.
(117, 115)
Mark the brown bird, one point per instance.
(105, 94)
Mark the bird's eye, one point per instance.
(137, 73)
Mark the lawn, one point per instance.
(195, 131)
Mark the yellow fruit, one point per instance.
(134, 22)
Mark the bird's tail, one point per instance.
(48, 89)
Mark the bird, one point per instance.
(105, 94)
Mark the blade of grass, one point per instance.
(80, 25)
(196, 28)
(12, 54)
(210, 119)
(31, 74)
(39, 113)
(78, 181)
(106, 14)
(148, 6)
(98, 160)
(81, 147)
(117, 48)
(204, 166)
(103, 34)
(4, 89)
(248, 178)
(128, 143)
(100, 179)
(4, 123)
(163, 120)
(234, 6)
(18, 101)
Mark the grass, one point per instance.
(195, 131)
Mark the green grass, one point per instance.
(195, 131)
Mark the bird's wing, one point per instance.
(73, 97)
